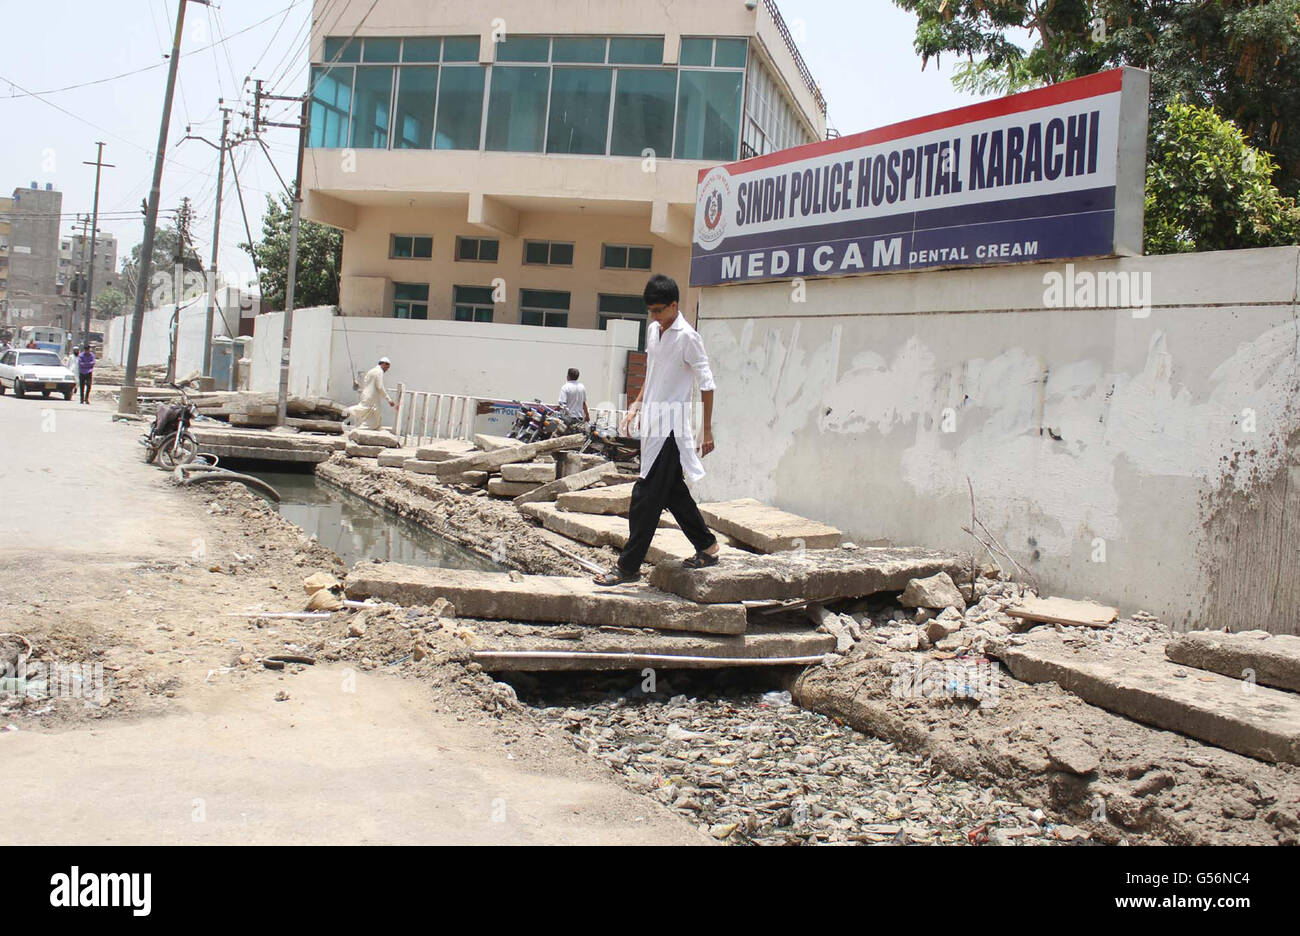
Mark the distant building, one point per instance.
(106, 273)
(536, 177)
(33, 278)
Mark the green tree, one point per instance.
(110, 301)
(1239, 57)
(1208, 189)
(166, 243)
(320, 258)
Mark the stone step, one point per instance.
(444, 450)
(524, 648)
(599, 530)
(1141, 684)
(499, 487)
(607, 501)
(396, 458)
(768, 529)
(1269, 659)
(817, 575)
(380, 437)
(538, 472)
(354, 450)
(570, 600)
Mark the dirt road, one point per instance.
(103, 561)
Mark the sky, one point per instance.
(110, 58)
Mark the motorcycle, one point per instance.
(169, 440)
(606, 442)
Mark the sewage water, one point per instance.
(358, 530)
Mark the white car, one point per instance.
(29, 371)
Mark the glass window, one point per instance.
(421, 50)
(697, 52)
(541, 307)
(578, 49)
(472, 303)
(643, 111)
(525, 49)
(619, 257)
(417, 92)
(630, 308)
(411, 247)
(579, 110)
(460, 109)
(639, 258)
(614, 258)
(381, 50)
(342, 49)
(730, 53)
(460, 49)
(411, 300)
(517, 109)
(624, 51)
(374, 96)
(547, 253)
(331, 101)
(708, 115)
(477, 249)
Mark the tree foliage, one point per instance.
(167, 250)
(1240, 58)
(1208, 189)
(320, 257)
(110, 301)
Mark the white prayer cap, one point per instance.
(384, 360)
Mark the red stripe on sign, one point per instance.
(1107, 82)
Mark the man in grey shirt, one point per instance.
(573, 397)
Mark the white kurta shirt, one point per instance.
(675, 363)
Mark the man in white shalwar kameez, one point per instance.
(675, 365)
(367, 414)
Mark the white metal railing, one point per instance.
(423, 415)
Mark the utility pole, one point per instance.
(282, 399)
(127, 401)
(216, 236)
(99, 165)
(83, 220)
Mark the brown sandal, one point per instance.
(701, 560)
(616, 576)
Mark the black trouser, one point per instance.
(662, 487)
(83, 381)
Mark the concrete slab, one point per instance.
(486, 461)
(444, 450)
(499, 487)
(496, 596)
(491, 443)
(354, 450)
(380, 437)
(602, 530)
(609, 501)
(268, 446)
(564, 484)
(1262, 723)
(523, 648)
(818, 575)
(1270, 659)
(768, 529)
(395, 458)
(541, 473)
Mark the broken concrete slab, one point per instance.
(602, 530)
(564, 485)
(380, 437)
(395, 458)
(486, 461)
(354, 450)
(540, 473)
(1141, 684)
(491, 443)
(535, 649)
(608, 501)
(569, 463)
(768, 529)
(444, 450)
(265, 446)
(1267, 659)
(475, 479)
(496, 596)
(819, 575)
(1063, 611)
(499, 487)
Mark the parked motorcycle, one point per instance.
(169, 440)
(606, 442)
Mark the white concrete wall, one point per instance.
(309, 358)
(268, 347)
(1136, 459)
(480, 359)
(155, 336)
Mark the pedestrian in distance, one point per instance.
(85, 373)
(573, 397)
(675, 363)
(367, 414)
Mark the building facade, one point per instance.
(33, 284)
(106, 273)
(533, 165)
